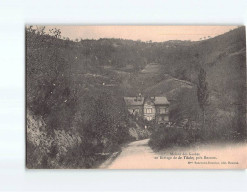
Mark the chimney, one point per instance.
(139, 98)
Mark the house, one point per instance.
(150, 108)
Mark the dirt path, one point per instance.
(136, 155)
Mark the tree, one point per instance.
(202, 92)
(40, 30)
(55, 33)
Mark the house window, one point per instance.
(162, 110)
(149, 110)
(149, 118)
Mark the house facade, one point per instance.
(150, 108)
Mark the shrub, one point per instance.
(166, 137)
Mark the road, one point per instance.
(135, 155)
(138, 155)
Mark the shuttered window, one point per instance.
(148, 110)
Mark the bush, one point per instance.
(166, 137)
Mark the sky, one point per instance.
(143, 33)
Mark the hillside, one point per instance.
(175, 76)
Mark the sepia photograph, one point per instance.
(135, 97)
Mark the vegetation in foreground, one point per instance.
(72, 121)
(200, 126)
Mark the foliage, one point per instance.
(202, 89)
(166, 137)
(185, 107)
(68, 110)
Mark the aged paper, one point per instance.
(136, 97)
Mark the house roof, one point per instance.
(132, 101)
(161, 101)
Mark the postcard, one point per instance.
(135, 97)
